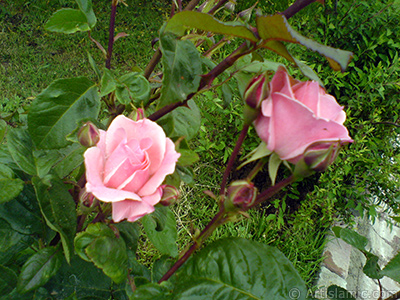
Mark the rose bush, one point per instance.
(297, 115)
(128, 166)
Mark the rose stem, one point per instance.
(111, 30)
(394, 296)
(218, 5)
(214, 223)
(268, 193)
(296, 7)
(206, 80)
(288, 13)
(234, 154)
(157, 55)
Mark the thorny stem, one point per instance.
(231, 161)
(214, 223)
(111, 33)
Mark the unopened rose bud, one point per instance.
(240, 194)
(88, 135)
(138, 115)
(317, 158)
(230, 6)
(86, 198)
(170, 195)
(245, 15)
(256, 91)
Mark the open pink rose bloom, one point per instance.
(297, 115)
(128, 166)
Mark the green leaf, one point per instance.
(94, 66)
(185, 173)
(338, 293)
(134, 88)
(99, 245)
(236, 268)
(260, 152)
(3, 129)
(23, 213)
(160, 227)
(182, 121)
(160, 267)
(392, 269)
(351, 237)
(371, 267)
(8, 280)
(182, 69)
(58, 209)
(20, 146)
(9, 187)
(276, 28)
(39, 268)
(72, 157)
(130, 232)
(82, 279)
(182, 21)
(187, 158)
(45, 160)
(86, 7)
(67, 20)
(152, 291)
(58, 109)
(273, 166)
(108, 83)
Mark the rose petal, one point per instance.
(308, 93)
(94, 162)
(106, 194)
(261, 125)
(142, 129)
(331, 110)
(131, 210)
(282, 82)
(294, 127)
(124, 161)
(167, 167)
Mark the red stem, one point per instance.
(217, 220)
(111, 31)
(231, 161)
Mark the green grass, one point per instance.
(31, 58)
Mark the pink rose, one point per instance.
(298, 114)
(128, 166)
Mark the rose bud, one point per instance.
(245, 15)
(241, 194)
(86, 198)
(255, 93)
(169, 196)
(88, 135)
(230, 6)
(317, 158)
(138, 115)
